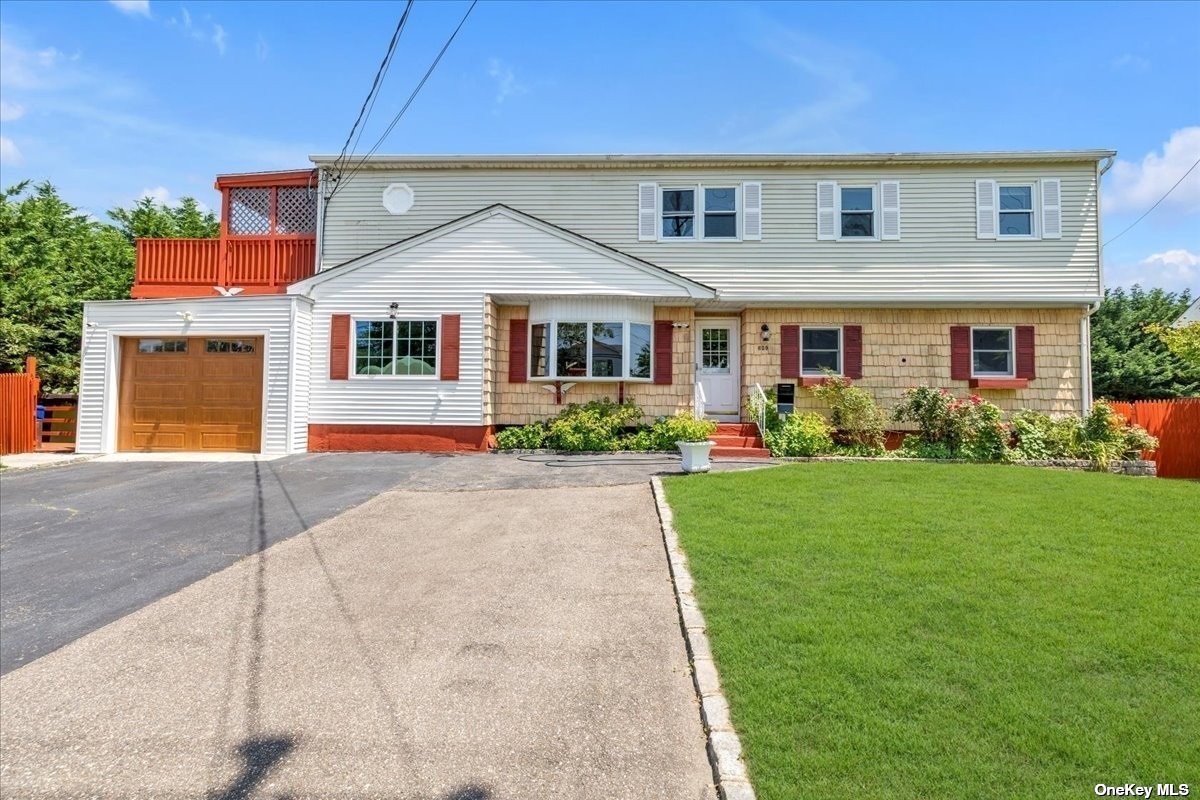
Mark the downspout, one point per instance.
(1085, 322)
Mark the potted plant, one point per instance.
(691, 437)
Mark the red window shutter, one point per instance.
(451, 326)
(339, 347)
(960, 353)
(518, 350)
(852, 347)
(1026, 366)
(789, 351)
(664, 334)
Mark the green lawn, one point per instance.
(951, 631)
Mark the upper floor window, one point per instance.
(1016, 210)
(858, 211)
(992, 352)
(395, 347)
(820, 350)
(702, 212)
(597, 350)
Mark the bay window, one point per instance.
(618, 351)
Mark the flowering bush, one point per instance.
(959, 427)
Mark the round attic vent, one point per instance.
(398, 198)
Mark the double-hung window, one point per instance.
(820, 350)
(395, 347)
(857, 212)
(700, 212)
(590, 350)
(992, 352)
(1016, 210)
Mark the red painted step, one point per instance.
(738, 440)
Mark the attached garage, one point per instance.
(191, 394)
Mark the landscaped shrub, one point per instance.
(593, 426)
(525, 437)
(801, 435)
(1101, 437)
(951, 427)
(859, 421)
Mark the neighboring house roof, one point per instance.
(717, 159)
(693, 288)
(1189, 316)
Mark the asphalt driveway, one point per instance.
(427, 644)
(85, 544)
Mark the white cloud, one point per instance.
(141, 7)
(10, 154)
(1135, 187)
(1131, 63)
(10, 111)
(1172, 269)
(159, 194)
(834, 81)
(507, 84)
(206, 30)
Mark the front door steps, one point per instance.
(738, 440)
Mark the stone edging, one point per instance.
(1133, 467)
(724, 747)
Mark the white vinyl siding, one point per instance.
(495, 256)
(268, 316)
(938, 259)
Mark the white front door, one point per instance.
(717, 367)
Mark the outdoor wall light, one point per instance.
(766, 332)
(393, 310)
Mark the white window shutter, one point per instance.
(1051, 208)
(752, 211)
(889, 208)
(647, 212)
(986, 220)
(826, 209)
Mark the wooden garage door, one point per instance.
(194, 393)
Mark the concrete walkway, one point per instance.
(465, 644)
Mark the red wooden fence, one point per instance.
(18, 410)
(1176, 423)
(58, 426)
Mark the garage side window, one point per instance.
(395, 347)
(162, 345)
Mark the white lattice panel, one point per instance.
(250, 211)
(297, 210)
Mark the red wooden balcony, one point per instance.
(268, 240)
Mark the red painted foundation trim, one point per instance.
(399, 438)
(998, 383)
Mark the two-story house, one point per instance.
(422, 302)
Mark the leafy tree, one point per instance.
(1183, 341)
(1129, 362)
(53, 257)
(150, 220)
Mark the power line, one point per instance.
(368, 104)
(1156, 205)
(411, 97)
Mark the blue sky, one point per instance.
(112, 100)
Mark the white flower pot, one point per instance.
(695, 455)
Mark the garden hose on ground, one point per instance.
(661, 459)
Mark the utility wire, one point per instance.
(364, 113)
(1156, 205)
(411, 97)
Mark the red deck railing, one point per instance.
(267, 242)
